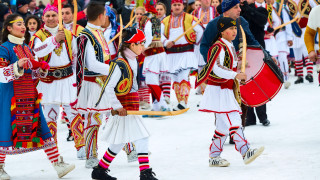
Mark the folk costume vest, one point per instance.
(187, 23)
(129, 101)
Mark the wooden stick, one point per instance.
(303, 10)
(280, 8)
(132, 11)
(121, 28)
(75, 15)
(244, 50)
(284, 24)
(117, 35)
(189, 29)
(153, 113)
(60, 15)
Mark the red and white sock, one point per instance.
(52, 154)
(144, 94)
(299, 67)
(107, 159)
(2, 158)
(309, 65)
(143, 159)
(165, 84)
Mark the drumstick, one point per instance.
(244, 52)
(189, 29)
(115, 37)
(60, 15)
(75, 14)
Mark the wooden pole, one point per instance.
(244, 50)
(117, 35)
(121, 28)
(60, 15)
(189, 29)
(280, 7)
(75, 15)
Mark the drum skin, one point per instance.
(262, 83)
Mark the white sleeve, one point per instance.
(92, 63)
(148, 33)
(164, 40)
(276, 19)
(42, 49)
(10, 73)
(289, 31)
(114, 79)
(199, 31)
(222, 71)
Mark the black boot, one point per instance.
(309, 77)
(231, 140)
(299, 80)
(70, 137)
(265, 122)
(147, 174)
(99, 173)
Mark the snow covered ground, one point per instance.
(180, 145)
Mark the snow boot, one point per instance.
(81, 153)
(299, 80)
(70, 137)
(180, 106)
(252, 154)
(231, 140)
(62, 168)
(287, 84)
(147, 174)
(92, 162)
(309, 78)
(218, 162)
(3, 173)
(99, 173)
(265, 122)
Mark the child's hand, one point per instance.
(170, 44)
(122, 112)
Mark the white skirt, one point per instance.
(156, 63)
(59, 91)
(199, 56)
(182, 61)
(271, 46)
(89, 96)
(124, 129)
(219, 100)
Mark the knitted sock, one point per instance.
(309, 65)
(2, 158)
(52, 154)
(165, 84)
(143, 161)
(107, 159)
(299, 67)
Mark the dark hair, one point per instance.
(124, 45)
(94, 9)
(69, 6)
(27, 35)
(6, 23)
(218, 36)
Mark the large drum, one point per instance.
(264, 78)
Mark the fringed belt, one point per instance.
(153, 51)
(130, 101)
(180, 48)
(58, 73)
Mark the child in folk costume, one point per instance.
(91, 67)
(121, 88)
(222, 96)
(165, 78)
(59, 49)
(155, 61)
(111, 28)
(180, 54)
(209, 13)
(33, 25)
(142, 23)
(23, 125)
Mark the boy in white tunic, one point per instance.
(221, 95)
(121, 87)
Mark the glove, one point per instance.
(32, 64)
(270, 29)
(44, 65)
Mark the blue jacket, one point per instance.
(211, 31)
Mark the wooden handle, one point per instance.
(280, 8)
(303, 10)
(60, 15)
(121, 28)
(75, 16)
(244, 50)
(117, 35)
(189, 29)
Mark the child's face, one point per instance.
(160, 11)
(215, 3)
(139, 14)
(197, 4)
(137, 48)
(230, 33)
(32, 25)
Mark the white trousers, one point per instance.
(142, 146)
